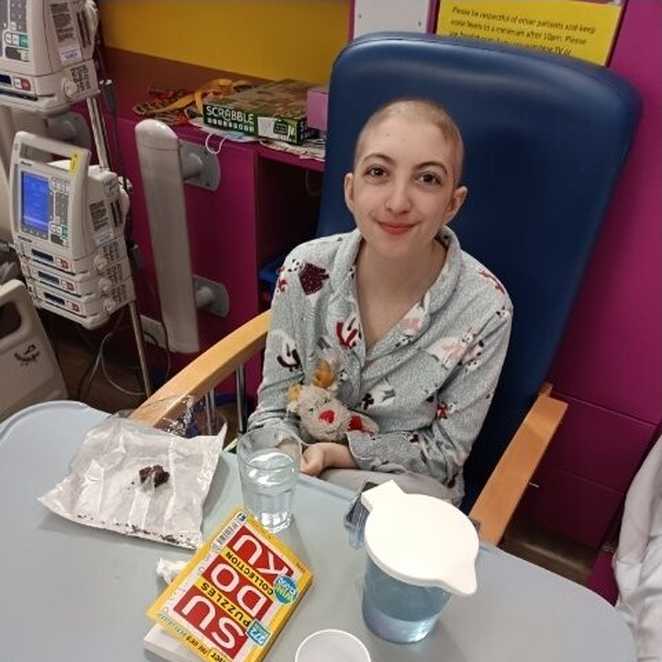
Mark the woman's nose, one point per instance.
(398, 200)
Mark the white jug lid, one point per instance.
(420, 540)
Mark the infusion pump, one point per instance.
(67, 222)
(46, 53)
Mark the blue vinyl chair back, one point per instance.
(546, 138)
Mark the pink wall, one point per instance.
(609, 365)
(612, 351)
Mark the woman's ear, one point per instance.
(455, 203)
(349, 191)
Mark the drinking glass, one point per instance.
(269, 460)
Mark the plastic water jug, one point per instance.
(421, 550)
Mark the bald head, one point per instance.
(420, 110)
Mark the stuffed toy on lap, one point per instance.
(323, 417)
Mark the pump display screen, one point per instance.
(34, 203)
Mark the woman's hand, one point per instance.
(326, 455)
(313, 460)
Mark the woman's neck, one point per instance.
(402, 279)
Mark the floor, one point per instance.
(77, 352)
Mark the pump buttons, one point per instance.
(69, 87)
(100, 263)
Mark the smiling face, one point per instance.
(403, 187)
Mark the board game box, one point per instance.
(235, 595)
(273, 110)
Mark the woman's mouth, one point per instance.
(395, 228)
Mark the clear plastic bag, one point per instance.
(104, 487)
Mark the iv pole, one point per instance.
(101, 143)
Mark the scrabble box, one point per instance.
(273, 110)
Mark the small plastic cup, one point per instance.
(332, 646)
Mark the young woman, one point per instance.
(417, 329)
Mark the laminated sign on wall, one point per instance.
(584, 29)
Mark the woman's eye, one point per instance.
(430, 178)
(375, 171)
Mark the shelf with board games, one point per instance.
(267, 201)
(135, 74)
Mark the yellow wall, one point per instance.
(263, 38)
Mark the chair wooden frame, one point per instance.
(501, 494)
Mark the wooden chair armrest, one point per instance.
(210, 368)
(496, 504)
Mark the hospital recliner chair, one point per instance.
(546, 138)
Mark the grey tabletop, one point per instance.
(72, 593)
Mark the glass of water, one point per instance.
(269, 460)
